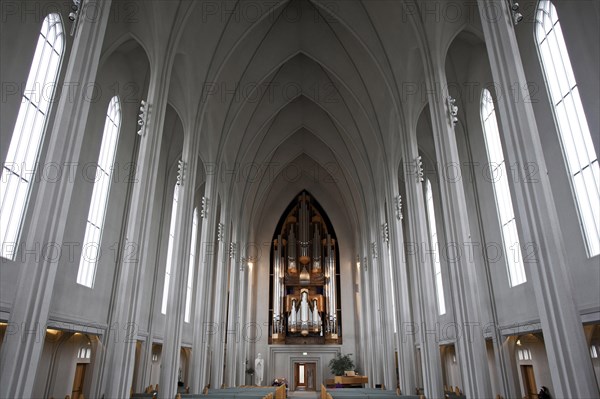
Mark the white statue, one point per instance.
(259, 368)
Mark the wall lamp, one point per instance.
(514, 11)
(74, 15)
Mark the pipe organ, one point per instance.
(304, 280)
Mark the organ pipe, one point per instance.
(304, 293)
(303, 230)
(316, 250)
(292, 268)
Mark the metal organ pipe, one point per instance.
(331, 285)
(303, 230)
(304, 313)
(293, 316)
(292, 268)
(277, 289)
(315, 316)
(317, 250)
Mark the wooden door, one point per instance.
(300, 376)
(529, 381)
(78, 380)
(305, 376)
(311, 376)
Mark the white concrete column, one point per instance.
(374, 309)
(387, 307)
(124, 319)
(470, 342)
(367, 316)
(233, 332)
(359, 314)
(180, 258)
(203, 278)
(405, 342)
(242, 307)
(423, 269)
(568, 353)
(24, 340)
(219, 300)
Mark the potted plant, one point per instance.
(340, 363)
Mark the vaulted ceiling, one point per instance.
(274, 85)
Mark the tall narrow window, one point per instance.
(574, 132)
(165, 298)
(191, 267)
(27, 136)
(504, 205)
(433, 238)
(90, 249)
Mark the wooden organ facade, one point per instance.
(304, 290)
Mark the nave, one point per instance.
(389, 195)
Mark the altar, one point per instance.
(351, 381)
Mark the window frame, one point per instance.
(513, 257)
(435, 248)
(189, 293)
(546, 7)
(174, 209)
(52, 21)
(101, 192)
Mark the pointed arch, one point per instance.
(90, 251)
(28, 133)
(571, 122)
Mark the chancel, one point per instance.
(273, 198)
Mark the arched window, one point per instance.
(191, 267)
(499, 177)
(578, 148)
(90, 249)
(433, 239)
(165, 298)
(28, 133)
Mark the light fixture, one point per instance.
(517, 17)
(452, 110)
(204, 208)
(304, 353)
(420, 174)
(399, 207)
(514, 10)
(142, 117)
(220, 232)
(386, 232)
(180, 172)
(74, 15)
(518, 342)
(231, 250)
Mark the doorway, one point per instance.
(78, 380)
(305, 376)
(529, 382)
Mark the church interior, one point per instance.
(367, 198)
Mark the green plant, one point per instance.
(340, 363)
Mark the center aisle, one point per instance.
(298, 394)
